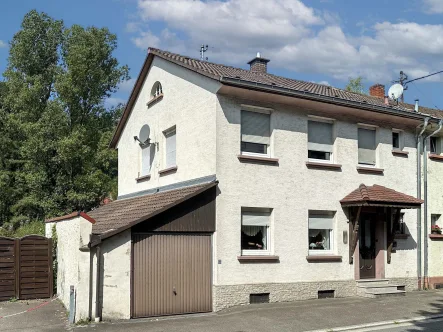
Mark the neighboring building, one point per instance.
(238, 186)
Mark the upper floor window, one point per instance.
(146, 160)
(157, 90)
(320, 140)
(366, 146)
(435, 145)
(170, 137)
(255, 133)
(396, 140)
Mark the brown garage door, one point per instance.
(171, 274)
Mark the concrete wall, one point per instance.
(189, 104)
(291, 190)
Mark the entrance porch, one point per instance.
(374, 218)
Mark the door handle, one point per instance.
(174, 291)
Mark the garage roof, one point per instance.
(122, 214)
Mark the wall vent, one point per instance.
(259, 298)
(326, 294)
(438, 286)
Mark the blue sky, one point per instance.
(314, 40)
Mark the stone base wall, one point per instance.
(411, 284)
(226, 296)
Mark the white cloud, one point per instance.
(127, 86)
(324, 83)
(294, 36)
(2, 44)
(113, 101)
(433, 6)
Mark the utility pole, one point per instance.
(203, 50)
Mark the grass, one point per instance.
(13, 299)
(35, 227)
(83, 321)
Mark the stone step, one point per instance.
(383, 294)
(396, 286)
(372, 282)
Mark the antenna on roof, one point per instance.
(203, 50)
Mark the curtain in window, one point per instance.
(146, 161)
(255, 127)
(366, 146)
(320, 136)
(170, 149)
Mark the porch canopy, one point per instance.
(380, 196)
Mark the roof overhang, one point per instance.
(70, 216)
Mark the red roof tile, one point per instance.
(379, 195)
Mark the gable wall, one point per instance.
(189, 104)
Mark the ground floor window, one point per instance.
(255, 231)
(399, 227)
(321, 228)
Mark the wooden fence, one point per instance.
(25, 268)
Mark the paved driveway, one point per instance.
(33, 315)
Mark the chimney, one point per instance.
(259, 64)
(416, 105)
(377, 90)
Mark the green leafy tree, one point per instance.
(54, 158)
(355, 85)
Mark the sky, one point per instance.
(323, 41)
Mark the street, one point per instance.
(428, 326)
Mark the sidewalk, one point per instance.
(327, 314)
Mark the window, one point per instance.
(146, 160)
(366, 146)
(170, 148)
(396, 140)
(320, 140)
(255, 235)
(435, 219)
(435, 145)
(400, 227)
(255, 133)
(321, 226)
(157, 90)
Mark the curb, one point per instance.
(392, 323)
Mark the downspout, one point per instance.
(97, 287)
(419, 143)
(425, 189)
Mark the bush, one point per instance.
(32, 228)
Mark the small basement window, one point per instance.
(259, 298)
(326, 294)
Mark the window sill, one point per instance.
(436, 236)
(155, 100)
(316, 164)
(401, 236)
(400, 153)
(258, 258)
(143, 178)
(256, 159)
(433, 156)
(323, 258)
(370, 170)
(168, 170)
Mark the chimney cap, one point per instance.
(259, 59)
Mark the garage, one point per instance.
(171, 275)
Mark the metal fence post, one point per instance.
(71, 304)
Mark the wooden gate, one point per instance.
(26, 268)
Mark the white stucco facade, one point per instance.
(188, 104)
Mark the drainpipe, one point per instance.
(97, 287)
(425, 189)
(419, 143)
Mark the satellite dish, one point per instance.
(145, 131)
(395, 91)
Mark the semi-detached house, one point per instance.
(237, 186)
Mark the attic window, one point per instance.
(156, 94)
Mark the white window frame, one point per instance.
(258, 252)
(140, 173)
(314, 118)
(401, 144)
(263, 110)
(375, 129)
(166, 134)
(331, 249)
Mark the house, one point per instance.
(237, 186)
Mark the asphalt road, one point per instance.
(425, 326)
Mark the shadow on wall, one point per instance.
(408, 243)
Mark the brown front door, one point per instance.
(367, 246)
(171, 274)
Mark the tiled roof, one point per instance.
(367, 195)
(125, 212)
(219, 71)
(65, 217)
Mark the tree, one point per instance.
(355, 85)
(57, 158)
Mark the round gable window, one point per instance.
(156, 90)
